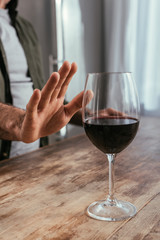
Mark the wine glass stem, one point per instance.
(111, 160)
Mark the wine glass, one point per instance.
(110, 120)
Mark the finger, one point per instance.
(48, 90)
(64, 68)
(64, 87)
(32, 106)
(63, 72)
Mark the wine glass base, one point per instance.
(104, 210)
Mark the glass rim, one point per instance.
(98, 73)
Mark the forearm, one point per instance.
(11, 119)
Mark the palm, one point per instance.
(46, 112)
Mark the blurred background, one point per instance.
(100, 35)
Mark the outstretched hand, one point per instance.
(46, 112)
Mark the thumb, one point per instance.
(76, 103)
(32, 105)
(28, 131)
(72, 107)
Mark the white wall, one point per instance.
(38, 12)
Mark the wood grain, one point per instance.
(44, 194)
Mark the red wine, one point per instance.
(111, 135)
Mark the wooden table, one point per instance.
(44, 194)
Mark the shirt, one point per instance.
(32, 64)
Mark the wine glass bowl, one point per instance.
(111, 120)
